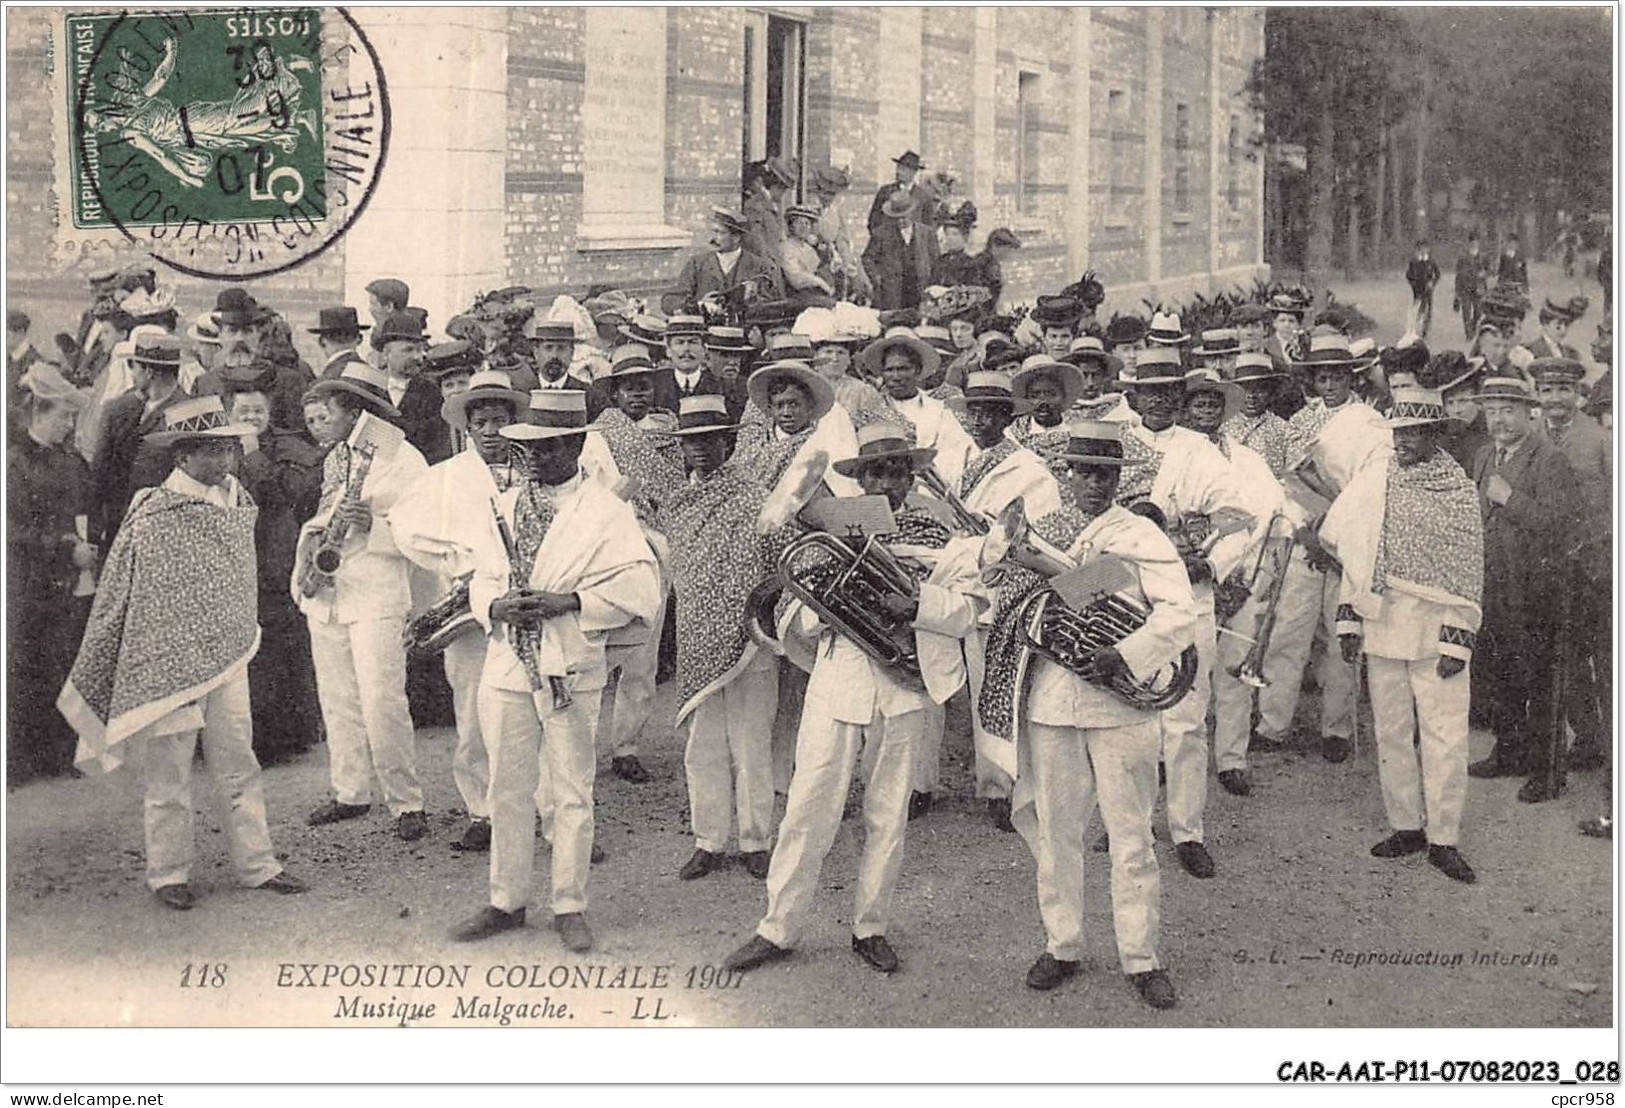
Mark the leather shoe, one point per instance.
(998, 810)
(757, 863)
(486, 922)
(1334, 748)
(572, 928)
(1598, 827)
(285, 883)
(476, 837)
(877, 952)
(757, 952)
(919, 804)
(1154, 988)
(1236, 782)
(1494, 766)
(412, 826)
(628, 768)
(1399, 844)
(333, 812)
(1261, 744)
(1195, 858)
(1103, 845)
(1449, 859)
(1586, 759)
(597, 855)
(179, 897)
(1048, 972)
(1536, 790)
(702, 863)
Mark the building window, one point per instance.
(1027, 137)
(1232, 162)
(775, 88)
(1182, 162)
(1120, 160)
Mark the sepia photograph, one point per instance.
(1096, 519)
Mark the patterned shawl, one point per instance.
(1432, 534)
(1006, 656)
(175, 617)
(764, 455)
(717, 559)
(983, 464)
(637, 457)
(1268, 434)
(1137, 480)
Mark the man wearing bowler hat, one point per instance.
(726, 264)
(165, 655)
(908, 166)
(338, 333)
(400, 344)
(125, 459)
(245, 358)
(356, 617)
(567, 566)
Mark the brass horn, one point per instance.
(846, 588)
(1250, 670)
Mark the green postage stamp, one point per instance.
(229, 142)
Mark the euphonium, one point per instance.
(1068, 637)
(324, 559)
(432, 630)
(845, 587)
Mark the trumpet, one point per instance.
(1250, 670)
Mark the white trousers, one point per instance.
(1184, 739)
(633, 700)
(928, 759)
(1308, 606)
(471, 762)
(361, 683)
(826, 757)
(1064, 772)
(518, 742)
(228, 752)
(729, 760)
(787, 722)
(1430, 782)
(1232, 700)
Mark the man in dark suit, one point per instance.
(400, 343)
(1526, 491)
(1513, 268)
(901, 252)
(553, 344)
(124, 459)
(245, 360)
(728, 263)
(686, 373)
(1472, 273)
(908, 168)
(338, 333)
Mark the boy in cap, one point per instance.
(1406, 530)
(566, 565)
(1077, 743)
(849, 696)
(165, 655)
(357, 617)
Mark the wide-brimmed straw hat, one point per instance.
(1039, 366)
(550, 414)
(1157, 365)
(729, 340)
(990, 387)
(1093, 442)
(485, 386)
(873, 356)
(1088, 348)
(702, 415)
(1329, 348)
(203, 417)
(882, 440)
(1208, 379)
(1255, 365)
(1219, 343)
(766, 379)
(362, 381)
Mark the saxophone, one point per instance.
(323, 559)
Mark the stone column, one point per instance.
(984, 102)
(1153, 146)
(436, 220)
(1079, 161)
(900, 53)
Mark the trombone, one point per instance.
(1250, 670)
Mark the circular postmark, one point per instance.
(230, 144)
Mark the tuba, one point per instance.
(433, 629)
(845, 586)
(1068, 636)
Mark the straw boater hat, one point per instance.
(538, 329)
(1506, 388)
(338, 321)
(938, 336)
(1329, 347)
(1559, 370)
(1255, 365)
(551, 414)
(630, 359)
(802, 211)
(362, 381)
(685, 325)
(446, 358)
(1207, 379)
(986, 387)
(729, 340)
(155, 348)
(1088, 348)
(1166, 330)
(1415, 406)
(788, 346)
(874, 355)
(485, 386)
(882, 440)
(1095, 442)
(701, 415)
(1042, 365)
(202, 417)
(1220, 343)
(767, 378)
(204, 330)
(647, 330)
(1157, 365)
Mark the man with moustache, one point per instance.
(686, 372)
(125, 458)
(400, 344)
(717, 272)
(338, 334)
(552, 349)
(243, 360)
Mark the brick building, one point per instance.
(557, 147)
